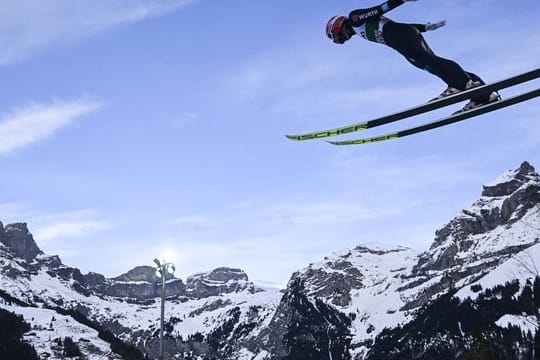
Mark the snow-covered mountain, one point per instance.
(58, 301)
(475, 291)
(382, 287)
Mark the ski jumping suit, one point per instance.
(409, 42)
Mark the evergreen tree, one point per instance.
(481, 349)
(12, 328)
(536, 292)
(525, 300)
(537, 346)
(71, 349)
(316, 330)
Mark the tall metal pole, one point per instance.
(162, 313)
(162, 270)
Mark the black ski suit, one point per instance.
(409, 42)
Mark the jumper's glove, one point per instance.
(434, 26)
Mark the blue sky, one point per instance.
(134, 129)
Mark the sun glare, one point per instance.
(168, 255)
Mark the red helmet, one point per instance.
(334, 29)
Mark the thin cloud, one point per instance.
(69, 229)
(68, 225)
(401, 175)
(304, 85)
(195, 221)
(12, 212)
(38, 122)
(323, 214)
(392, 195)
(272, 75)
(27, 26)
(185, 119)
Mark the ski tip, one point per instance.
(293, 137)
(301, 137)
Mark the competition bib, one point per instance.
(372, 30)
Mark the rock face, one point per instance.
(511, 181)
(141, 283)
(503, 203)
(19, 240)
(484, 235)
(218, 281)
(139, 273)
(304, 329)
(339, 276)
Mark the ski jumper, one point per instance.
(407, 39)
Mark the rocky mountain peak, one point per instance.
(511, 181)
(344, 272)
(140, 273)
(220, 275)
(224, 274)
(19, 240)
(472, 242)
(218, 281)
(141, 283)
(504, 201)
(374, 248)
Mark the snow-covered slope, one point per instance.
(366, 282)
(48, 325)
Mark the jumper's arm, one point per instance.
(360, 16)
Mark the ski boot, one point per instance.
(451, 90)
(494, 96)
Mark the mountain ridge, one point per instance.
(353, 304)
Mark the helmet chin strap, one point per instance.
(348, 30)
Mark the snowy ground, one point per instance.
(47, 325)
